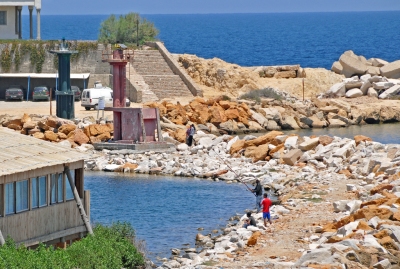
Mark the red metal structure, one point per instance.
(131, 125)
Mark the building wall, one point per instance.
(45, 223)
(8, 31)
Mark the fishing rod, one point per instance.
(234, 172)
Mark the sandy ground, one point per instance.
(287, 237)
(17, 108)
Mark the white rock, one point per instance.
(354, 93)
(351, 187)
(372, 92)
(338, 89)
(182, 147)
(291, 142)
(353, 206)
(394, 90)
(111, 167)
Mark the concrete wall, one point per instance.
(89, 63)
(8, 31)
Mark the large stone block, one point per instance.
(354, 93)
(338, 89)
(292, 156)
(352, 66)
(394, 90)
(337, 68)
(391, 70)
(378, 62)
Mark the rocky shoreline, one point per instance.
(286, 163)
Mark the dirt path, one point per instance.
(289, 235)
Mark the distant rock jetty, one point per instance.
(373, 77)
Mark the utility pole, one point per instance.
(137, 32)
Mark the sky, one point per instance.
(79, 7)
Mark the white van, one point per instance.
(90, 97)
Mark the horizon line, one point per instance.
(228, 13)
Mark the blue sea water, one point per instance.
(308, 39)
(165, 211)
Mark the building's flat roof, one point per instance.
(21, 153)
(42, 75)
(36, 3)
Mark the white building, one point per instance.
(11, 19)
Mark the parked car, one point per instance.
(40, 93)
(15, 92)
(77, 93)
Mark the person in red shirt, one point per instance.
(266, 204)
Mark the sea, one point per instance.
(308, 39)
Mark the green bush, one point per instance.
(110, 247)
(125, 30)
(256, 95)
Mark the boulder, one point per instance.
(291, 142)
(52, 122)
(50, 136)
(382, 85)
(253, 238)
(372, 93)
(373, 71)
(391, 70)
(378, 62)
(206, 142)
(352, 66)
(394, 90)
(182, 147)
(317, 123)
(336, 123)
(25, 118)
(309, 144)
(267, 138)
(273, 126)
(325, 140)
(260, 119)
(352, 83)
(364, 88)
(292, 156)
(237, 146)
(257, 153)
(359, 138)
(66, 128)
(337, 90)
(337, 68)
(289, 123)
(254, 126)
(80, 137)
(354, 93)
(29, 125)
(38, 135)
(230, 126)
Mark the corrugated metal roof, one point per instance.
(20, 153)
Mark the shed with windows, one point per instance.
(42, 197)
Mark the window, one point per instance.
(3, 17)
(10, 199)
(21, 191)
(17, 197)
(60, 196)
(39, 191)
(69, 190)
(56, 187)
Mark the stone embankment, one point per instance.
(373, 77)
(365, 227)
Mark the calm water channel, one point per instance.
(165, 211)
